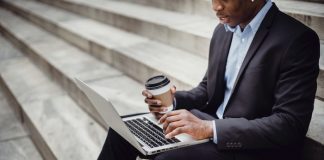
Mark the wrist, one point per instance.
(209, 129)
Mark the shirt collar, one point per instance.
(256, 21)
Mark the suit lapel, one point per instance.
(257, 41)
(218, 63)
(255, 45)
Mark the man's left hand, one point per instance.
(183, 121)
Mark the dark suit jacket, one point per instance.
(273, 96)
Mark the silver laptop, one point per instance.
(141, 131)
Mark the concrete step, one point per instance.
(187, 32)
(58, 127)
(196, 7)
(309, 13)
(18, 149)
(10, 127)
(317, 1)
(7, 50)
(320, 79)
(135, 56)
(63, 62)
(15, 141)
(314, 145)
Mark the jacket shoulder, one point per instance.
(291, 26)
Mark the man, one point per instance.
(256, 98)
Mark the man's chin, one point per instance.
(224, 20)
(229, 24)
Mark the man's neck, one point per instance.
(258, 6)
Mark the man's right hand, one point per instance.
(155, 105)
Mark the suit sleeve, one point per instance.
(294, 102)
(193, 99)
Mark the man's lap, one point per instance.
(205, 151)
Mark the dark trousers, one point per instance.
(117, 148)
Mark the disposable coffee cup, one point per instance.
(160, 87)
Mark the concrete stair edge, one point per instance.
(307, 15)
(182, 6)
(56, 71)
(102, 52)
(40, 144)
(40, 136)
(188, 39)
(65, 82)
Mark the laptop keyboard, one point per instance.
(148, 132)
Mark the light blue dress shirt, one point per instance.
(241, 42)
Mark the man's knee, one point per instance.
(116, 146)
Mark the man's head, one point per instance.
(237, 12)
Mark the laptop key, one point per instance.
(159, 131)
(158, 137)
(139, 132)
(148, 132)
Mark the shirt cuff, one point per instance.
(214, 132)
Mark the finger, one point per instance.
(147, 94)
(157, 109)
(174, 125)
(172, 113)
(169, 120)
(153, 102)
(176, 132)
